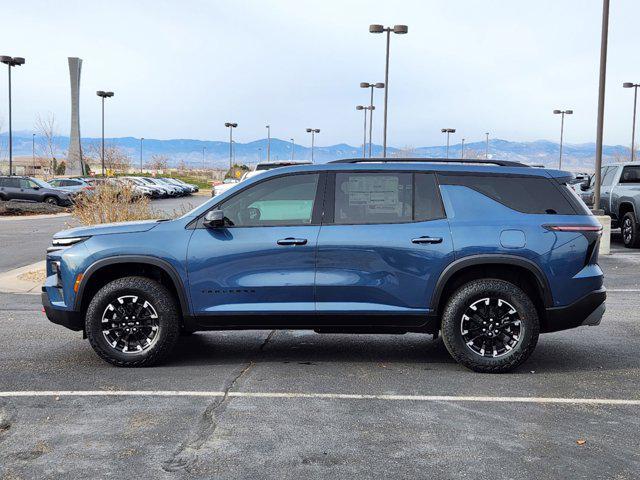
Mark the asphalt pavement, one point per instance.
(295, 404)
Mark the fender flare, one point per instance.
(491, 259)
(144, 259)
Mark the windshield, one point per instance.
(40, 183)
(149, 181)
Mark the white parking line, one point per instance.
(621, 290)
(328, 396)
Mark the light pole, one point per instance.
(448, 131)
(462, 152)
(230, 126)
(635, 102)
(33, 151)
(399, 29)
(103, 95)
(563, 113)
(11, 62)
(204, 149)
(313, 132)
(260, 153)
(604, 37)
(268, 127)
(141, 140)
(371, 86)
(364, 140)
(486, 149)
(293, 147)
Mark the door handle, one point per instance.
(427, 240)
(292, 241)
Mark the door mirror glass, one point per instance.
(214, 219)
(584, 186)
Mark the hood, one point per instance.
(108, 229)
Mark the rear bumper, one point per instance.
(586, 311)
(67, 318)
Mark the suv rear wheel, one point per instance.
(629, 229)
(51, 200)
(490, 326)
(133, 322)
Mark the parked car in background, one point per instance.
(139, 187)
(260, 168)
(171, 190)
(620, 198)
(194, 188)
(72, 184)
(226, 184)
(33, 190)
(183, 189)
(487, 254)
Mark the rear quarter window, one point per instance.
(538, 195)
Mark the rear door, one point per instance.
(383, 243)
(608, 176)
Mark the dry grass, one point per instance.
(112, 203)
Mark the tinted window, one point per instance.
(285, 200)
(26, 183)
(428, 205)
(384, 197)
(524, 194)
(630, 174)
(4, 182)
(607, 176)
(11, 182)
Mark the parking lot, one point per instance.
(295, 404)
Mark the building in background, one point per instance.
(75, 164)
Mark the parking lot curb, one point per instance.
(32, 217)
(10, 282)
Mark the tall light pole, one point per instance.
(486, 148)
(448, 131)
(371, 86)
(230, 126)
(33, 151)
(204, 149)
(601, 89)
(268, 127)
(313, 132)
(563, 113)
(11, 62)
(103, 95)
(260, 153)
(462, 152)
(364, 140)
(141, 140)
(399, 29)
(293, 147)
(635, 102)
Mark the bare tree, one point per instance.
(47, 128)
(158, 162)
(115, 158)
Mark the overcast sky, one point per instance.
(180, 69)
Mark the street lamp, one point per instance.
(204, 149)
(371, 86)
(293, 147)
(230, 126)
(33, 151)
(364, 140)
(604, 40)
(448, 131)
(141, 140)
(462, 152)
(103, 95)
(635, 101)
(268, 127)
(11, 62)
(313, 132)
(399, 29)
(563, 113)
(486, 150)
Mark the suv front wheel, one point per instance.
(490, 326)
(133, 322)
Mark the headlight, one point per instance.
(61, 243)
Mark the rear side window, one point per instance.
(630, 174)
(524, 194)
(428, 205)
(362, 198)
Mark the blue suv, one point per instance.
(487, 254)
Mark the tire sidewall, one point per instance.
(477, 290)
(146, 289)
(633, 241)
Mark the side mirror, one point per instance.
(214, 219)
(584, 186)
(36, 187)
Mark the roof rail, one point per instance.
(473, 161)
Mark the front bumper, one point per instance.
(67, 318)
(586, 311)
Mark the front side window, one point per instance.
(630, 174)
(287, 200)
(607, 176)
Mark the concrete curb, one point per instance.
(10, 283)
(32, 217)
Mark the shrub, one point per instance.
(110, 203)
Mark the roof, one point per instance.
(468, 161)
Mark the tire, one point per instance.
(629, 229)
(497, 349)
(126, 295)
(51, 201)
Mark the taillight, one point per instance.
(591, 232)
(574, 228)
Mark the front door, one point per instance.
(263, 260)
(382, 247)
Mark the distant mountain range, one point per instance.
(575, 156)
